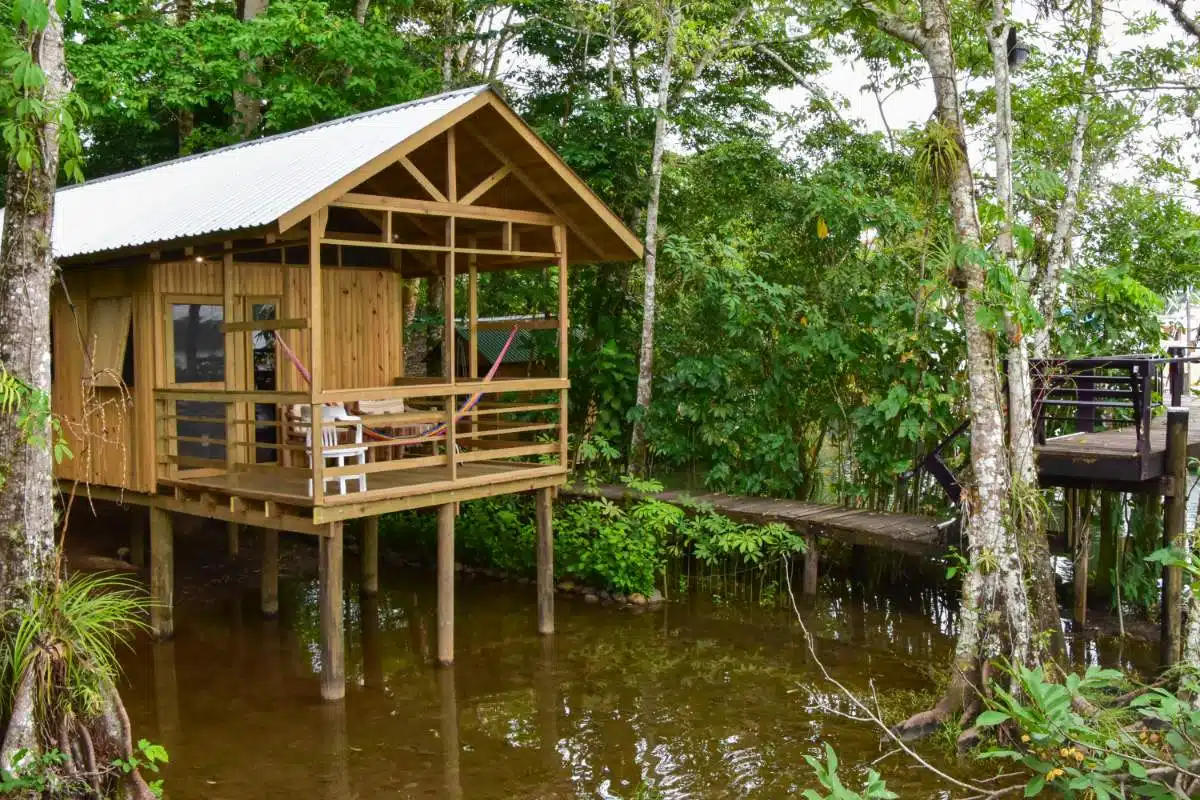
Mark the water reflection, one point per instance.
(699, 699)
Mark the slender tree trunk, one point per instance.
(637, 447)
(247, 108)
(27, 546)
(1026, 517)
(360, 11)
(187, 120)
(1045, 286)
(995, 618)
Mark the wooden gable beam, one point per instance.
(330, 193)
(597, 205)
(536, 190)
(426, 184)
(485, 184)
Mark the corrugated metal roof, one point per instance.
(242, 186)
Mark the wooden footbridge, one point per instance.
(1100, 423)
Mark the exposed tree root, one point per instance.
(37, 726)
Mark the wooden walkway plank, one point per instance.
(908, 533)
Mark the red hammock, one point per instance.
(436, 430)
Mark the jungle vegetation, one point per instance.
(821, 301)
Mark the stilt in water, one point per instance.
(1081, 527)
(269, 577)
(1109, 503)
(545, 561)
(445, 584)
(372, 652)
(162, 574)
(811, 561)
(369, 554)
(333, 655)
(1174, 535)
(232, 539)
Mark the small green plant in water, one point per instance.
(873, 788)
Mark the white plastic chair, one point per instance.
(332, 449)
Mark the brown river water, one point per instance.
(700, 698)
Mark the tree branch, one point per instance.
(707, 59)
(1189, 23)
(803, 81)
(890, 23)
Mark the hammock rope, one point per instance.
(434, 432)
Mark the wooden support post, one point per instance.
(232, 536)
(333, 654)
(137, 539)
(316, 231)
(1109, 503)
(372, 652)
(1082, 526)
(564, 338)
(369, 555)
(445, 584)
(811, 560)
(545, 561)
(269, 578)
(162, 574)
(1174, 535)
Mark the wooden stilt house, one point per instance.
(212, 307)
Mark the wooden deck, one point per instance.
(905, 533)
(386, 491)
(1110, 458)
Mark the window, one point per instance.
(263, 357)
(201, 428)
(198, 343)
(110, 331)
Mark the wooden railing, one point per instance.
(1084, 395)
(257, 443)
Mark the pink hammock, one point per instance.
(437, 430)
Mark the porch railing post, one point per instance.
(1175, 372)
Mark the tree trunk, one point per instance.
(995, 617)
(360, 11)
(247, 108)
(1026, 518)
(187, 120)
(27, 545)
(637, 446)
(1045, 286)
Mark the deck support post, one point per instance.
(269, 577)
(333, 655)
(162, 574)
(369, 555)
(1174, 535)
(1079, 578)
(445, 584)
(232, 537)
(811, 562)
(545, 561)
(448, 694)
(1108, 545)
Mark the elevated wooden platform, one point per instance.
(905, 533)
(1111, 458)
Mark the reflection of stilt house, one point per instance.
(237, 291)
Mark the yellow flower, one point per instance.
(1054, 773)
(1024, 737)
(1065, 752)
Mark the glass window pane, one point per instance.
(199, 344)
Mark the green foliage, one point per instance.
(148, 756)
(1112, 753)
(34, 415)
(81, 619)
(873, 787)
(623, 547)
